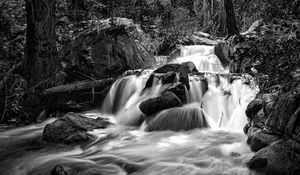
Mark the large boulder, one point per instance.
(72, 128)
(153, 105)
(108, 49)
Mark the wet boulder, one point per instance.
(168, 74)
(187, 67)
(260, 139)
(178, 119)
(169, 77)
(72, 128)
(165, 101)
(108, 49)
(253, 108)
(179, 90)
(167, 68)
(184, 78)
(277, 159)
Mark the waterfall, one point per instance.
(125, 95)
(221, 98)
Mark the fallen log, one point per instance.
(78, 86)
(78, 96)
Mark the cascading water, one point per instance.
(126, 148)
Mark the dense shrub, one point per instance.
(272, 56)
(274, 61)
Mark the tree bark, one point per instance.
(41, 52)
(231, 26)
(206, 12)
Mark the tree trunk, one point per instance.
(206, 12)
(230, 19)
(221, 19)
(41, 52)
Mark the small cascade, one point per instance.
(126, 94)
(120, 92)
(221, 99)
(196, 49)
(203, 57)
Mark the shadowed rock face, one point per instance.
(72, 128)
(273, 132)
(283, 111)
(177, 119)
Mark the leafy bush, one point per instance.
(275, 60)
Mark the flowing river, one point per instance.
(126, 148)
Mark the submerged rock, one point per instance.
(86, 169)
(72, 128)
(62, 170)
(153, 105)
(177, 119)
